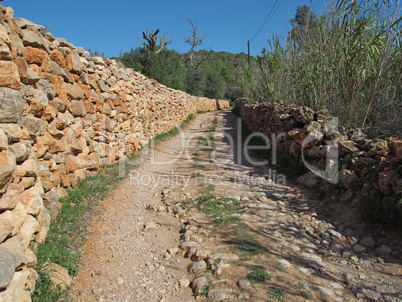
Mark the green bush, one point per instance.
(166, 67)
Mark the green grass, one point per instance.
(258, 274)
(219, 209)
(207, 187)
(276, 293)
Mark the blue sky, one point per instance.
(109, 25)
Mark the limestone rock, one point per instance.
(34, 125)
(15, 291)
(6, 172)
(20, 151)
(219, 294)
(58, 275)
(244, 284)
(222, 256)
(30, 38)
(32, 200)
(198, 284)
(197, 267)
(14, 245)
(12, 106)
(9, 75)
(77, 108)
(73, 91)
(7, 267)
(14, 132)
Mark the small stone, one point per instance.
(198, 284)
(347, 254)
(312, 257)
(184, 282)
(337, 247)
(190, 252)
(384, 249)
(334, 233)
(120, 280)
(244, 296)
(217, 269)
(285, 263)
(219, 294)
(367, 241)
(325, 291)
(358, 248)
(244, 284)
(173, 250)
(222, 256)
(58, 275)
(178, 210)
(150, 225)
(306, 271)
(197, 267)
(186, 245)
(200, 255)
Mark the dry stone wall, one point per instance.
(63, 114)
(370, 170)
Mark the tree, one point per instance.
(151, 41)
(304, 23)
(195, 40)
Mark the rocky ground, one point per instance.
(205, 226)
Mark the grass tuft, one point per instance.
(258, 274)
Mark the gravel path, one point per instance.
(151, 243)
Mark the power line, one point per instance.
(267, 19)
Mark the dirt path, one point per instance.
(234, 231)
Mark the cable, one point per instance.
(267, 19)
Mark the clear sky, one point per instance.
(108, 26)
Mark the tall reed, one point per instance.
(350, 62)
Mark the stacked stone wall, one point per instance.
(362, 171)
(64, 114)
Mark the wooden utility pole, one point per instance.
(248, 51)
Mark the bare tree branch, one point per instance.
(195, 40)
(151, 41)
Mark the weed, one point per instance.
(258, 274)
(276, 293)
(204, 291)
(305, 294)
(208, 187)
(198, 164)
(280, 266)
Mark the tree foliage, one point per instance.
(217, 77)
(166, 66)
